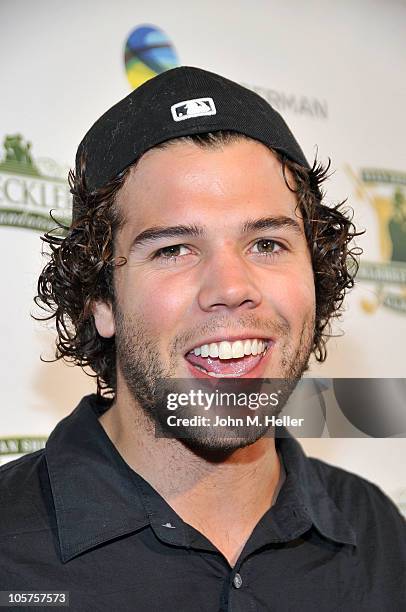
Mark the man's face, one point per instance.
(232, 275)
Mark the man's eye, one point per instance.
(268, 247)
(171, 252)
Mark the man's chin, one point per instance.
(208, 442)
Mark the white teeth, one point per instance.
(238, 349)
(231, 350)
(247, 347)
(225, 350)
(213, 350)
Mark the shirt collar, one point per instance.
(95, 493)
(98, 497)
(305, 491)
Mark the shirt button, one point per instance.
(237, 581)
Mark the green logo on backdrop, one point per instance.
(30, 188)
(385, 191)
(19, 446)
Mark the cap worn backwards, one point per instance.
(179, 102)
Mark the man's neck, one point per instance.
(224, 500)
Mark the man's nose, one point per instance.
(228, 283)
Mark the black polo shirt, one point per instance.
(75, 517)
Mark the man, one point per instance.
(199, 250)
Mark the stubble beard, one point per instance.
(149, 381)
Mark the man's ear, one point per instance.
(104, 319)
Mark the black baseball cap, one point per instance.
(179, 102)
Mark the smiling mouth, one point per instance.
(228, 359)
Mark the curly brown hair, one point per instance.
(82, 260)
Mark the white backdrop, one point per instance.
(336, 72)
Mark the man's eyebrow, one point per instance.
(155, 233)
(174, 231)
(270, 223)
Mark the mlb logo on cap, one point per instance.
(193, 108)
